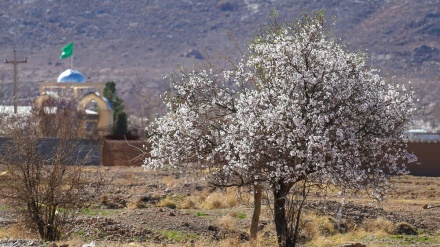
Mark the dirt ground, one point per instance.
(152, 208)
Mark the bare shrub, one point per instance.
(43, 175)
(57, 116)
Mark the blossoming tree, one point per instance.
(297, 110)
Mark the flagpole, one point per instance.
(71, 62)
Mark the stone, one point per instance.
(261, 225)
(268, 234)
(244, 236)
(194, 53)
(212, 228)
(225, 5)
(354, 245)
(405, 228)
(53, 244)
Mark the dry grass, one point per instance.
(203, 199)
(379, 226)
(138, 204)
(314, 226)
(17, 231)
(219, 200)
(189, 202)
(156, 195)
(228, 242)
(227, 222)
(215, 201)
(231, 197)
(318, 230)
(170, 181)
(202, 195)
(103, 198)
(339, 239)
(238, 215)
(167, 202)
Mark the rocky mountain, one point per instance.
(135, 43)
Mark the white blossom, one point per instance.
(299, 106)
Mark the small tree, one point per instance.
(121, 124)
(299, 111)
(43, 177)
(58, 116)
(120, 118)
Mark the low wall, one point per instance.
(45, 147)
(123, 153)
(428, 154)
(132, 153)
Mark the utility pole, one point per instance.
(14, 63)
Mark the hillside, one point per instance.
(136, 42)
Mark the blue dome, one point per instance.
(71, 75)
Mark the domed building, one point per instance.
(71, 75)
(97, 112)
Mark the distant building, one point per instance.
(97, 110)
(420, 135)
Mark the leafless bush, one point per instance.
(42, 177)
(58, 116)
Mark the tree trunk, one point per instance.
(33, 213)
(258, 196)
(299, 211)
(281, 223)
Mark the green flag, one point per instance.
(67, 51)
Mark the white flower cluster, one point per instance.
(298, 107)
